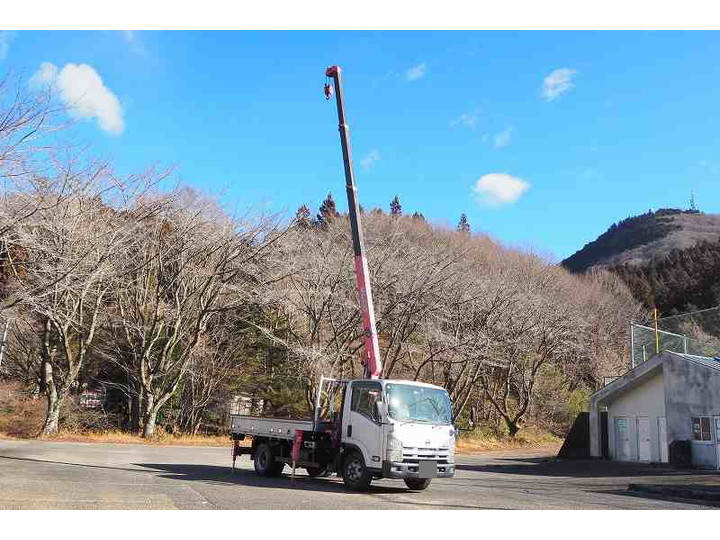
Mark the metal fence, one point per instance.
(695, 333)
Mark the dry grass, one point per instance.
(122, 437)
(482, 441)
(20, 416)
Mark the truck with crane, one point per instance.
(365, 428)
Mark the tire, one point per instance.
(264, 462)
(317, 472)
(417, 484)
(355, 473)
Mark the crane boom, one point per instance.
(372, 365)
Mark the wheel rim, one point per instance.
(354, 469)
(263, 459)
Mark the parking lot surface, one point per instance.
(53, 475)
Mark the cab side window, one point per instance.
(364, 397)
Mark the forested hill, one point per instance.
(679, 282)
(639, 239)
(670, 259)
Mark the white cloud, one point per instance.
(82, 90)
(132, 38)
(5, 39)
(416, 72)
(466, 119)
(497, 189)
(369, 159)
(557, 83)
(503, 138)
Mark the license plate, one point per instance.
(428, 469)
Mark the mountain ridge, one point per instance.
(669, 259)
(642, 238)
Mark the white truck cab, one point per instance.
(402, 429)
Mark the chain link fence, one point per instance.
(696, 333)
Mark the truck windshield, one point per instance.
(409, 403)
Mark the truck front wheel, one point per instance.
(417, 484)
(265, 464)
(355, 473)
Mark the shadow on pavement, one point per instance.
(215, 474)
(54, 462)
(580, 468)
(708, 505)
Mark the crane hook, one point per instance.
(328, 91)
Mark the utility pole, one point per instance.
(372, 366)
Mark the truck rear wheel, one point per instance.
(355, 473)
(417, 484)
(265, 464)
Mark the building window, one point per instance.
(701, 428)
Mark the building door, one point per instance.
(643, 438)
(717, 441)
(662, 439)
(622, 439)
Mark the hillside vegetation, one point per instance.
(681, 281)
(670, 259)
(640, 239)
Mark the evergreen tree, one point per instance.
(418, 215)
(395, 207)
(463, 225)
(327, 210)
(303, 218)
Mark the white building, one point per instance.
(670, 397)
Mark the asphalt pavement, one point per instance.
(54, 475)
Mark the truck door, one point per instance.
(361, 426)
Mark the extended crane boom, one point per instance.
(372, 364)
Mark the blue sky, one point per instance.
(543, 138)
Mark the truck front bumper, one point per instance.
(403, 469)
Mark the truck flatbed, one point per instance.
(257, 426)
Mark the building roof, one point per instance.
(643, 370)
(707, 361)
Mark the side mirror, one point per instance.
(378, 410)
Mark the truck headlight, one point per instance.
(394, 449)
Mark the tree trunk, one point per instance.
(52, 417)
(512, 426)
(150, 416)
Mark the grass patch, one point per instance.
(483, 440)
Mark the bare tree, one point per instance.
(69, 265)
(190, 264)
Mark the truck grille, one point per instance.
(414, 455)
